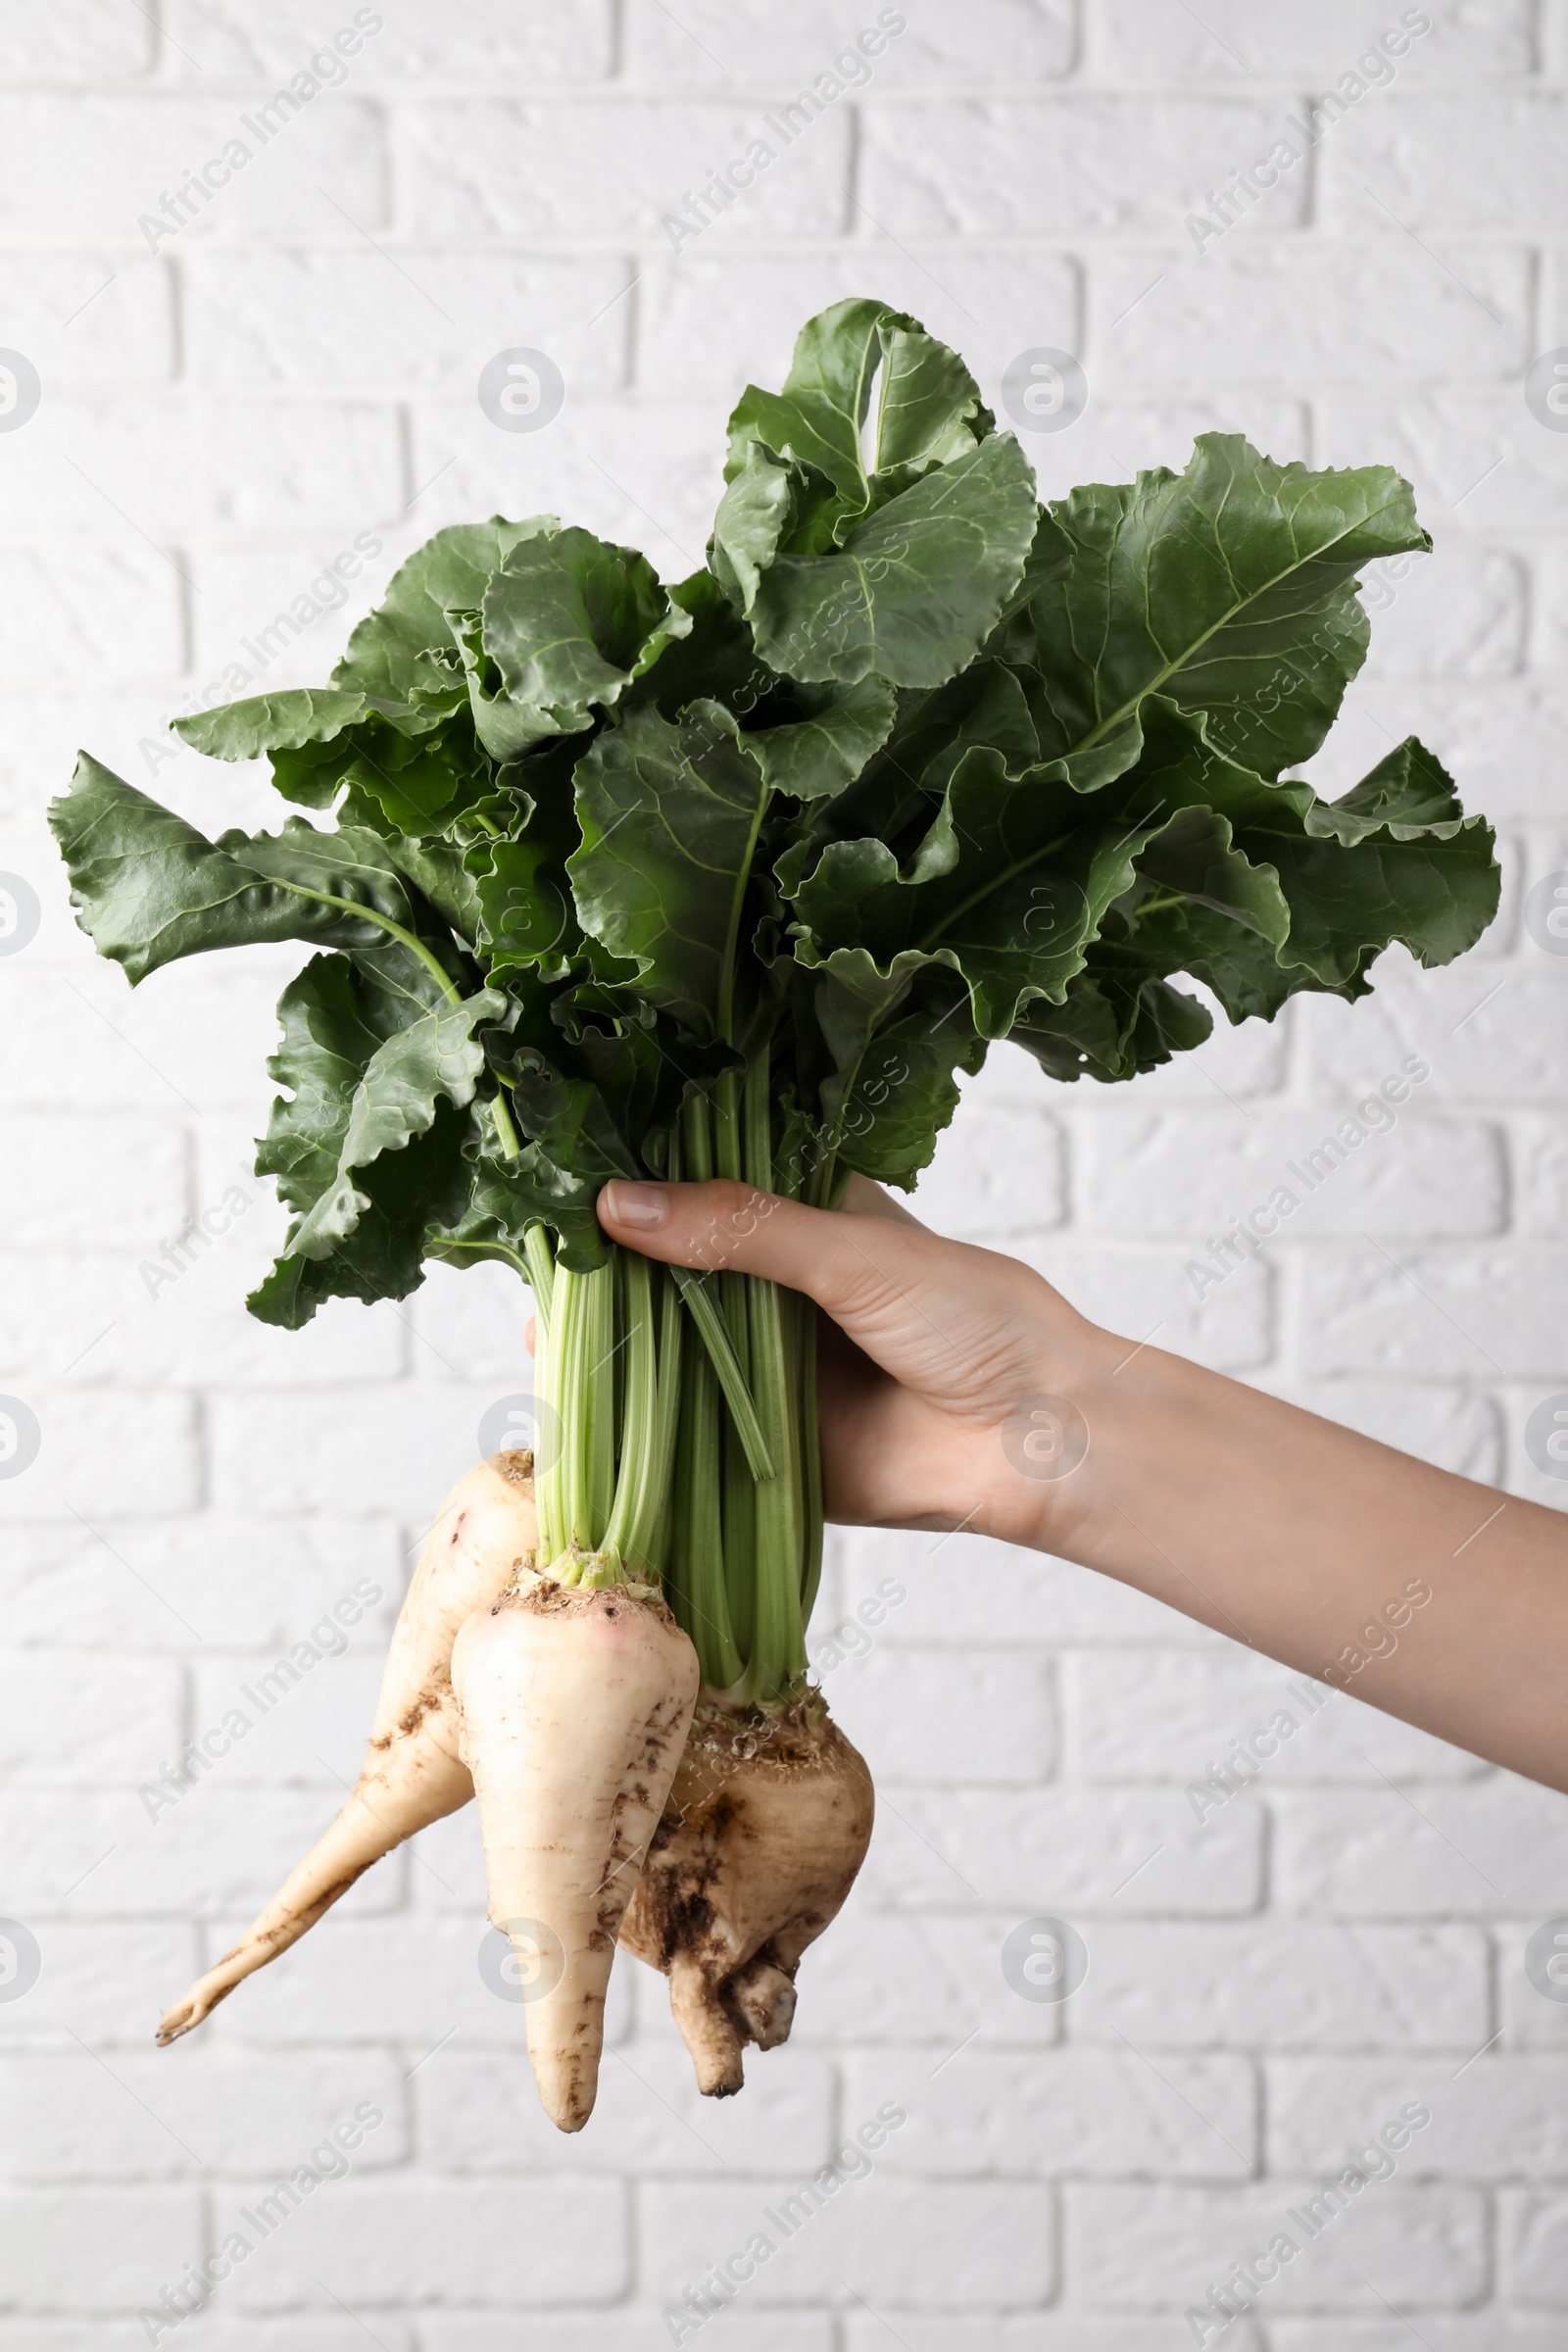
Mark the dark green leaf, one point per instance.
(669, 820)
(405, 646)
(148, 888)
(1229, 588)
(914, 590)
(568, 622)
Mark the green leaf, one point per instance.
(336, 1016)
(507, 1195)
(1114, 1023)
(393, 1101)
(915, 589)
(405, 646)
(1229, 588)
(817, 417)
(929, 409)
(814, 757)
(148, 888)
(669, 819)
(568, 622)
(269, 722)
(1007, 887)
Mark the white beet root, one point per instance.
(761, 1838)
(412, 1772)
(574, 1706)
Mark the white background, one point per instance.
(219, 419)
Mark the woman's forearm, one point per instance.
(1439, 1601)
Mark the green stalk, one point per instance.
(582, 1382)
(638, 1494)
(697, 1594)
(777, 1645)
(811, 1457)
(738, 1482)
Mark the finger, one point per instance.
(844, 1262)
(530, 1333)
(863, 1199)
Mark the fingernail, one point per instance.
(644, 1205)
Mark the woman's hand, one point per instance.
(960, 1390)
(946, 1375)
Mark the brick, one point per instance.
(1144, 1292)
(1118, 437)
(1533, 2249)
(1414, 1310)
(1508, 153)
(1170, 1717)
(507, 168)
(1500, 1845)
(1143, 40)
(1049, 2331)
(144, 2115)
(1287, 1984)
(103, 1451)
(194, 1036)
(106, 2006)
(1489, 1036)
(1080, 2112)
(467, 1324)
(623, 2331)
(1541, 1175)
(65, 1176)
(105, 611)
(1186, 1171)
(375, 1446)
(1456, 613)
(754, 44)
(490, 40)
(90, 42)
(957, 1590)
(928, 1977)
(97, 166)
(1530, 2019)
(92, 318)
(1478, 458)
(132, 2230)
(477, 2118)
(1500, 2119)
(1160, 2248)
(298, 2333)
(1000, 1172)
(710, 321)
(411, 2240)
(82, 1716)
(309, 1723)
(1488, 2330)
(895, 2242)
(181, 1322)
(928, 1716)
(220, 1850)
(278, 615)
(1245, 1062)
(1251, 311)
(643, 476)
(1096, 164)
(1054, 1850)
(422, 1987)
(163, 1583)
(214, 464)
(322, 316)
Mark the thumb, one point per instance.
(846, 1262)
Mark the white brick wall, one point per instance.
(219, 419)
